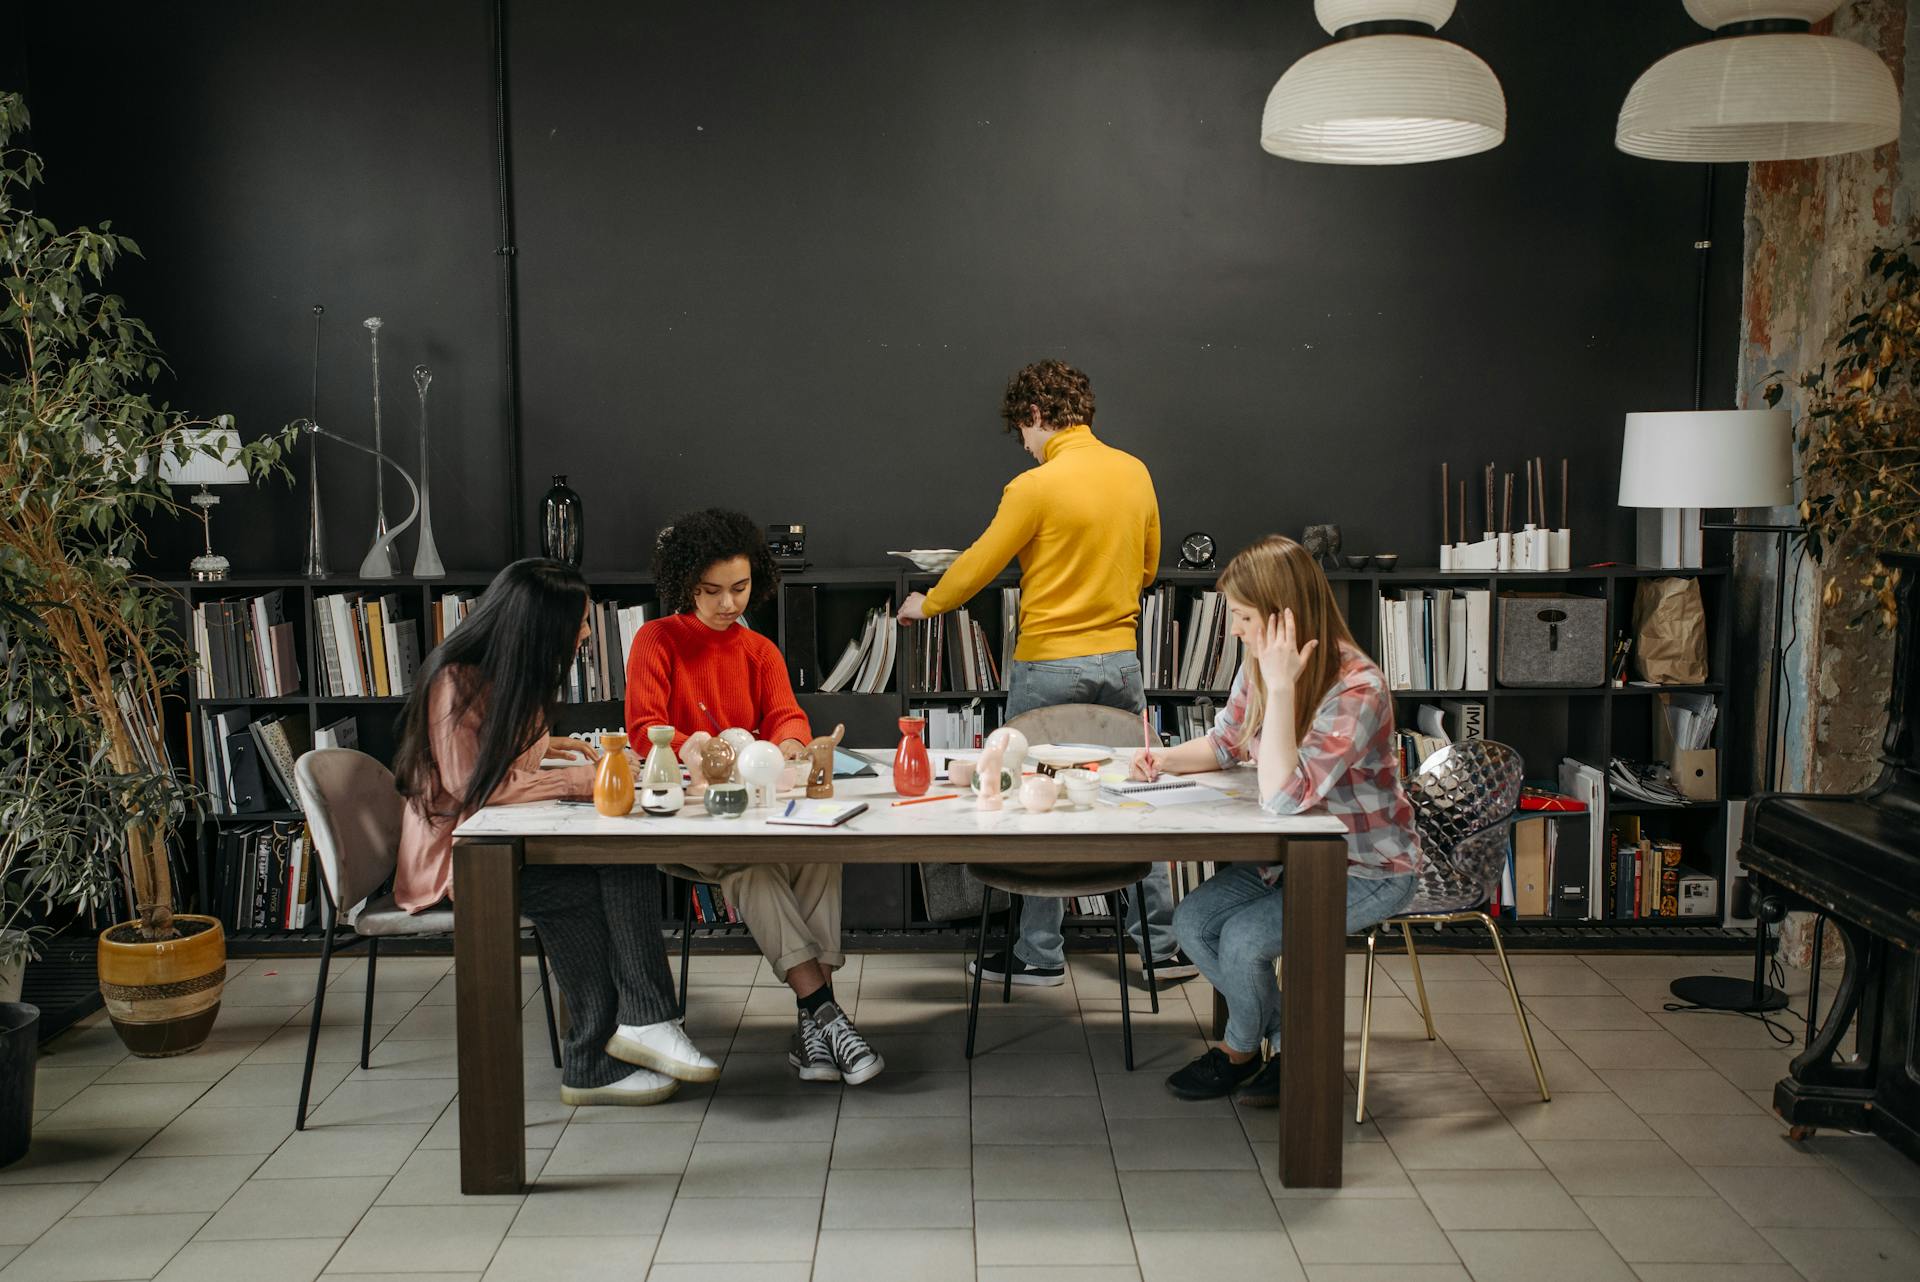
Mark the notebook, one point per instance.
(817, 814)
(1162, 792)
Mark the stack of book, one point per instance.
(249, 763)
(950, 653)
(1194, 655)
(599, 673)
(1183, 723)
(367, 649)
(267, 878)
(953, 726)
(244, 648)
(710, 907)
(449, 610)
(1435, 638)
(866, 665)
(1642, 872)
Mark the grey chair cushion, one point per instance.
(1058, 880)
(383, 918)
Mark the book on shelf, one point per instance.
(1435, 638)
(954, 726)
(866, 665)
(952, 653)
(280, 741)
(244, 648)
(599, 672)
(264, 877)
(367, 647)
(1009, 629)
(344, 733)
(1186, 649)
(449, 610)
(1184, 722)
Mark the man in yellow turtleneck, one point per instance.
(1086, 528)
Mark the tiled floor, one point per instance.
(1656, 1159)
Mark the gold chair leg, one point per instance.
(1420, 985)
(1519, 1011)
(1366, 1032)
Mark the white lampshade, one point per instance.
(1769, 96)
(1707, 458)
(212, 458)
(1384, 99)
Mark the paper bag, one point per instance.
(1669, 632)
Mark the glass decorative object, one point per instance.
(760, 767)
(315, 565)
(426, 558)
(563, 524)
(382, 544)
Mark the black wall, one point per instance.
(784, 257)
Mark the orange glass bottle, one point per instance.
(613, 781)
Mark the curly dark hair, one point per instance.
(684, 550)
(1063, 394)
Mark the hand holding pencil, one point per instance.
(1146, 764)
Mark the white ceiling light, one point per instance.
(1764, 88)
(1386, 92)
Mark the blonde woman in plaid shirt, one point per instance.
(1314, 716)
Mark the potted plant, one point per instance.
(1859, 440)
(89, 803)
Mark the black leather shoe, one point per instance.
(1211, 1076)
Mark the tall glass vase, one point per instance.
(315, 565)
(392, 562)
(563, 525)
(426, 559)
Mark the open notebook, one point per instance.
(1162, 792)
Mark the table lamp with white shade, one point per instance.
(1678, 464)
(207, 456)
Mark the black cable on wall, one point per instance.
(509, 300)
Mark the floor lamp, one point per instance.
(1700, 459)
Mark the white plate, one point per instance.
(931, 560)
(1062, 755)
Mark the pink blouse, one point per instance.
(425, 874)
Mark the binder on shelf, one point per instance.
(246, 787)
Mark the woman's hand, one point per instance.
(1145, 765)
(559, 745)
(792, 749)
(1275, 648)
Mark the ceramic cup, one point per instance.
(1038, 794)
(1082, 786)
(960, 772)
(727, 800)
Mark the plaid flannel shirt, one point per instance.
(1347, 763)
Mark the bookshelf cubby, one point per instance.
(1545, 724)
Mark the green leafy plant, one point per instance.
(1859, 439)
(88, 800)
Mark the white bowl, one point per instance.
(931, 560)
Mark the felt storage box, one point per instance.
(1550, 640)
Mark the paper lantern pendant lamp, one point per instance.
(1764, 88)
(1387, 91)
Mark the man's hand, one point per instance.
(913, 609)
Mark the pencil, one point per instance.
(914, 801)
(717, 728)
(1146, 736)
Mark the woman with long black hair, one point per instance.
(473, 734)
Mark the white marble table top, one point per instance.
(1239, 813)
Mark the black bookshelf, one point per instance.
(1545, 724)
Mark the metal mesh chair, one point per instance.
(1464, 799)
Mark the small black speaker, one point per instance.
(802, 642)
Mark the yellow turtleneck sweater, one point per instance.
(1086, 527)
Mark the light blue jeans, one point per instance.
(1230, 927)
(1113, 680)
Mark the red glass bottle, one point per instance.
(912, 771)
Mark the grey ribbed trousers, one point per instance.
(601, 928)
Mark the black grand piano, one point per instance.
(1857, 860)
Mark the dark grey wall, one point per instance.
(784, 257)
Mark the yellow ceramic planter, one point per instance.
(163, 997)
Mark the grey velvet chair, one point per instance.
(353, 815)
(1068, 723)
(1464, 801)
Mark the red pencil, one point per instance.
(914, 801)
(710, 717)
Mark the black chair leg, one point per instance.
(366, 1017)
(1013, 932)
(1126, 1013)
(1146, 944)
(546, 997)
(686, 947)
(313, 1031)
(979, 964)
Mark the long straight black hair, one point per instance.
(512, 655)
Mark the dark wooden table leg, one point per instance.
(1313, 1014)
(486, 967)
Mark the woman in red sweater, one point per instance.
(699, 669)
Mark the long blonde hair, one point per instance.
(1278, 574)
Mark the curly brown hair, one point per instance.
(697, 540)
(1062, 393)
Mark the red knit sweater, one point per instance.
(678, 662)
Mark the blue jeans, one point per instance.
(1230, 927)
(1113, 680)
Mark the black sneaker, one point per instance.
(1033, 976)
(1262, 1090)
(1176, 965)
(1211, 1076)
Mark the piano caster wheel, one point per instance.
(1799, 1133)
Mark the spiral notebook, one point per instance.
(1162, 792)
(817, 813)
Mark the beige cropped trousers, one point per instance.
(793, 910)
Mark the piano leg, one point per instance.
(1825, 1088)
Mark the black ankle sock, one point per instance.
(814, 1000)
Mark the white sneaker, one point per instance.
(663, 1047)
(641, 1086)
